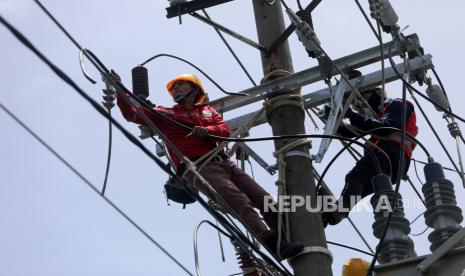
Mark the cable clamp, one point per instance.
(314, 249)
(287, 148)
(297, 153)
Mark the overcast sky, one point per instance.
(51, 223)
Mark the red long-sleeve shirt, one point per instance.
(201, 115)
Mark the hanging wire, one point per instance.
(89, 184)
(251, 169)
(416, 190)
(197, 68)
(110, 143)
(416, 171)
(99, 65)
(349, 247)
(90, 79)
(445, 168)
(421, 233)
(231, 50)
(416, 218)
(315, 125)
(360, 234)
(244, 243)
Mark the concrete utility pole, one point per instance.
(305, 227)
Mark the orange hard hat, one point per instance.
(190, 78)
(355, 267)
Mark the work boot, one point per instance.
(287, 249)
(333, 218)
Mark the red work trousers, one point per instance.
(240, 192)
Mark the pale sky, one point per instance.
(51, 223)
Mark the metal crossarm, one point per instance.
(370, 80)
(229, 32)
(192, 6)
(312, 75)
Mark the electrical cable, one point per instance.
(79, 46)
(231, 50)
(134, 140)
(406, 82)
(197, 68)
(400, 171)
(41, 141)
(330, 163)
(349, 247)
(64, 77)
(353, 152)
(42, 7)
(421, 109)
(251, 169)
(425, 163)
(383, 77)
(462, 139)
(360, 234)
(436, 75)
(299, 4)
(416, 218)
(367, 19)
(421, 233)
(433, 129)
(315, 125)
(416, 171)
(89, 184)
(110, 143)
(104, 71)
(409, 87)
(424, 96)
(318, 177)
(416, 191)
(284, 4)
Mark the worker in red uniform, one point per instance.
(358, 180)
(234, 186)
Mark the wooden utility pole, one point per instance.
(305, 227)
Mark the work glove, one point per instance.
(323, 114)
(198, 131)
(115, 76)
(349, 113)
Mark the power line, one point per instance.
(48, 147)
(102, 111)
(349, 247)
(76, 172)
(231, 50)
(241, 239)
